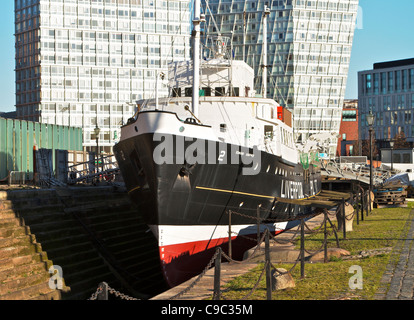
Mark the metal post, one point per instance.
(217, 271)
(268, 273)
(325, 237)
(302, 249)
(362, 204)
(357, 206)
(258, 224)
(370, 167)
(230, 244)
(103, 294)
(343, 217)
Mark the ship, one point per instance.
(213, 153)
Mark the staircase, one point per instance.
(94, 234)
(24, 266)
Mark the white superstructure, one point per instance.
(230, 108)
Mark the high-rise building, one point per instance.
(84, 63)
(309, 49)
(387, 91)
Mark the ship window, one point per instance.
(235, 92)
(188, 92)
(176, 92)
(220, 91)
(206, 92)
(223, 127)
(268, 131)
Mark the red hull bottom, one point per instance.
(181, 262)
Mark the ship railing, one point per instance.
(104, 167)
(355, 171)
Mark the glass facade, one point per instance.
(309, 48)
(393, 105)
(85, 62)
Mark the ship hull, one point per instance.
(187, 205)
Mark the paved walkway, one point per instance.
(399, 275)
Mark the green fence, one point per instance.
(19, 137)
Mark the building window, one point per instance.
(368, 83)
(390, 81)
(383, 83)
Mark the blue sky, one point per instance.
(387, 33)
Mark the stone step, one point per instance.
(58, 225)
(15, 231)
(120, 230)
(110, 224)
(10, 223)
(17, 241)
(110, 221)
(12, 262)
(69, 250)
(3, 195)
(99, 208)
(7, 214)
(21, 283)
(40, 291)
(30, 193)
(22, 271)
(6, 205)
(40, 217)
(51, 295)
(56, 243)
(41, 209)
(10, 252)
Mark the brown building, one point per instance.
(349, 129)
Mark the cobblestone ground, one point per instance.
(398, 279)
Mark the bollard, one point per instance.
(217, 271)
(103, 294)
(268, 272)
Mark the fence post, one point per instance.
(357, 206)
(325, 237)
(343, 217)
(368, 204)
(362, 204)
(258, 224)
(230, 244)
(103, 295)
(302, 248)
(267, 265)
(217, 272)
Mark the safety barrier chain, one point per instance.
(104, 286)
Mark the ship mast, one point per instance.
(264, 71)
(196, 57)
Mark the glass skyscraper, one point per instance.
(309, 49)
(84, 63)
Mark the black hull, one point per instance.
(201, 195)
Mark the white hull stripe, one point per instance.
(173, 235)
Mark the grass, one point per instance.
(382, 228)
